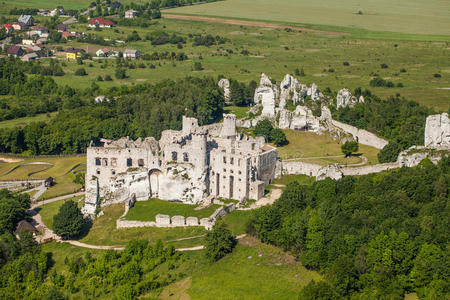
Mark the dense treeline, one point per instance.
(377, 236)
(136, 111)
(400, 121)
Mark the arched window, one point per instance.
(185, 157)
(174, 156)
(105, 162)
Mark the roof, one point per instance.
(40, 28)
(101, 21)
(8, 26)
(13, 49)
(62, 27)
(131, 11)
(25, 18)
(25, 225)
(130, 51)
(30, 56)
(22, 24)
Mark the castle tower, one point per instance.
(199, 147)
(228, 127)
(189, 125)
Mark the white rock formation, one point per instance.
(314, 92)
(225, 85)
(300, 119)
(290, 89)
(344, 98)
(331, 171)
(266, 94)
(437, 131)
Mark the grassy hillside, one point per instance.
(407, 16)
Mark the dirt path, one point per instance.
(273, 196)
(250, 23)
(34, 205)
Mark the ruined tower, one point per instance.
(228, 127)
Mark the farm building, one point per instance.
(29, 57)
(15, 51)
(131, 14)
(132, 54)
(25, 225)
(102, 52)
(26, 19)
(19, 26)
(100, 22)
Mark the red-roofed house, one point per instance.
(8, 28)
(67, 35)
(100, 22)
(19, 26)
(16, 51)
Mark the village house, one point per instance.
(67, 35)
(19, 26)
(8, 28)
(27, 42)
(26, 19)
(29, 57)
(73, 53)
(25, 226)
(103, 52)
(131, 14)
(100, 22)
(39, 30)
(15, 51)
(61, 27)
(131, 54)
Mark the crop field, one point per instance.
(147, 210)
(251, 51)
(407, 16)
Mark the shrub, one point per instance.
(349, 147)
(80, 72)
(121, 73)
(437, 75)
(402, 70)
(219, 242)
(346, 63)
(198, 66)
(384, 66)
(69, 220)
(108, 78)
(389, 153)
(378, 82)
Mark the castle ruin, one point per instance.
(192, 165)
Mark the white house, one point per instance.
(130, 53)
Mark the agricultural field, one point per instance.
(406, 16)
(147, 210)
(328, 60)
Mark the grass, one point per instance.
(237, 220)
(62, 165)
(240, 112)
(313, 148)
(104, 232)
(403, 16)
(147, 210)
(27, 120)
(253, 271)
(302, 179)
(47, 211)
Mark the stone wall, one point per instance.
(165, 221)
(299, 167)
(361, 136)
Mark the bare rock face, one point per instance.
(314, 92)
(290, 89)
(225, 85)
(344, 98)
(301, 118)
(331, 171)
(437, 131)
(266, 94)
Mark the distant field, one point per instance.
(27, 120)
(407, 16)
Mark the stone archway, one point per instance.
(154, 176)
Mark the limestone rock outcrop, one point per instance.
(333, 171)
(344, 98)
(266, 94)
(291, 90)
(437, 131)
(301, 118)
(225, 85)
(314, 92)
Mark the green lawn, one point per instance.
(237, 220)
(240, 112)
(147, 210)
(307, 145)
(406, 16)
(27, 120)
(253, 271)
(104, 232)
(302, 179)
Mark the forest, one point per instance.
(378, 236)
